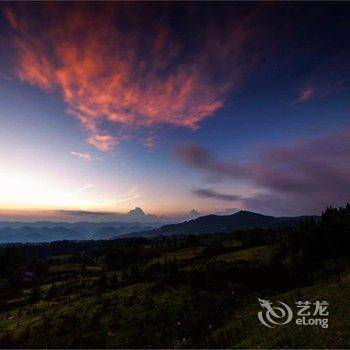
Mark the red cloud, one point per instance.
(136, 75)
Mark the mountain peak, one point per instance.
(247, 213)
(137, 211)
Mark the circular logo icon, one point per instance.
(274, 315)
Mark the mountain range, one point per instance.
(13, 232)
(241, 220)
(46, 231)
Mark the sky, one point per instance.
(173, 107)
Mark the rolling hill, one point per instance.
(241, 220)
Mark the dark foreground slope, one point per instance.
(184, 291)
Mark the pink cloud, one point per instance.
(126, 78)
(318, 88)
(103, 142)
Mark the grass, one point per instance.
(122, 313)
(62, 257)
(247, 332)
(185, 253)
(244, 331)
(72, 267)
(251, 254)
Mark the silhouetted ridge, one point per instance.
(241, 220)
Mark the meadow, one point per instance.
(183, 291)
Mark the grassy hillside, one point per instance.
(245, 331)
(176, 292)
(133, 316)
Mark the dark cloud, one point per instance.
(208, 193)
(304, 177)
(200, 158)
(85, 213)
(136, 214)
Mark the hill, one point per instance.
(41, 234)
(241, 220)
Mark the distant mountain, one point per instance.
(112, 232)
(106, 232)
(86, 225)
(225, 223)
(46, 231)
(41, 234)
(13, 232)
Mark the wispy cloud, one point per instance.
(127, 78)
(208, 193)
(306, 93)
(103, 142)
(85, 156)
(84, 188)
(328, 76)
(307, 176)
(150, 142)
(132, 194)
(84, 213)
(316, 90)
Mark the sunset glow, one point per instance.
(110, 107)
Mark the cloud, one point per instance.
(149, 142)
(84, 188)
(208, 193)
(200, 158)
(84, 213)
(122, 67)
(85, 156)
(304, 177)
(103, 142)
(328, 76)
(306, 93)
(134, 215)
(317, 89)
(111, 202)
